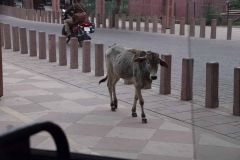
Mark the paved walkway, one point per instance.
(36, 90)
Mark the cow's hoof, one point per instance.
(113, 109)
(134, 114)
(116, 106)
(144, 120)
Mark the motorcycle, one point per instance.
(80, 30)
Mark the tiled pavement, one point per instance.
(35, 90)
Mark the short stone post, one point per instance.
(98, 20)
(73, 53)
(42, 45)
(138, 27)
(32, 43)
(52, 48)
(53, 16)
(130, 22)
(61, 20)
(212, 74)
(15, 37)
(182, 26)
(172, 25)
(236, 88)
(49, 16)
(42, 15)
(192, 27)
(7, 36)
(1, 67)
(46, 16)
(165, 83)
(58, 15)
(92, 17)
(202, 27)
(34, 15)
(104, 21)
(229, 29)
(110, 25)
(155, 24)
(99, 68)
(2, 36)
(116, 21)
(187, 79)
(213, 29)
(24, 13)
(23, 40)
(146, 24)
(62, 51)
(86, 59)
(123, 21)
(164, 24)
(38, 15)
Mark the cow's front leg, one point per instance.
(134, 113)
(141, 101)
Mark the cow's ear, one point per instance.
(163, 63)
(140, 59)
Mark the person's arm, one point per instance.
(69, 10)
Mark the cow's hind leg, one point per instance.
(134, 113)
(110, 89)
(141, 101)
(115, 101)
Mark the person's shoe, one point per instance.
(68, 35)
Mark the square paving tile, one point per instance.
(175, 136)
(19, 76)
(28, 108)
(5, 126)
(14, 101)
(62, 117)
(106, 111)
(121, 155)
(100, 120)
(155, 157)
(121, 145)
(36, 140)
(87, 141)
(183, 116)
(36, 92)
(65, 104)
(77, 95)
(19, 87)
(131, 133)
(48, 85)
(219, 119)
(169, 149)
(88, 130)
(92, 101)
(167, 125)
(11, 80)
(224, 128)
(136, 123)
(44, 98)
(9, 118)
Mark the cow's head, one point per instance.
(151, 60)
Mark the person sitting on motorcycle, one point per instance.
(77, 7)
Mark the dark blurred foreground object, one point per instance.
(15, 144)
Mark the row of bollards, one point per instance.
(212, 68)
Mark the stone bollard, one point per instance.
(53, 16)
(182, 26)
(172, 25)
(164, 24)
(38, 15)
(2, 36)
(123, 21)
(165, 83)
(130, 22)
(110, 26)
(104, 21)
(42, 45)
(49, 13)
(23, 40)
(211, 99)
(15, 37)
(155, 24)
(62, 51)
(229, 29)
(99, 68)
(24, 14)
(32, 43)
(58, 15)
(62, 21)
(45, 16)
(34, 15)
(116, 21)
(86, 59)
(213, 29)
(7, 36)
(73, 53)
(52, 48)
(192, 27)
(98, 20)
(1, 67)
(236, 88)
(138, 27)
(146, 24)
(42, 13)
(187, 79)
(92, 17)
(202, 27)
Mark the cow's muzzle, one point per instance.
(153, 77)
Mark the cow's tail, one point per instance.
(103, 80)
